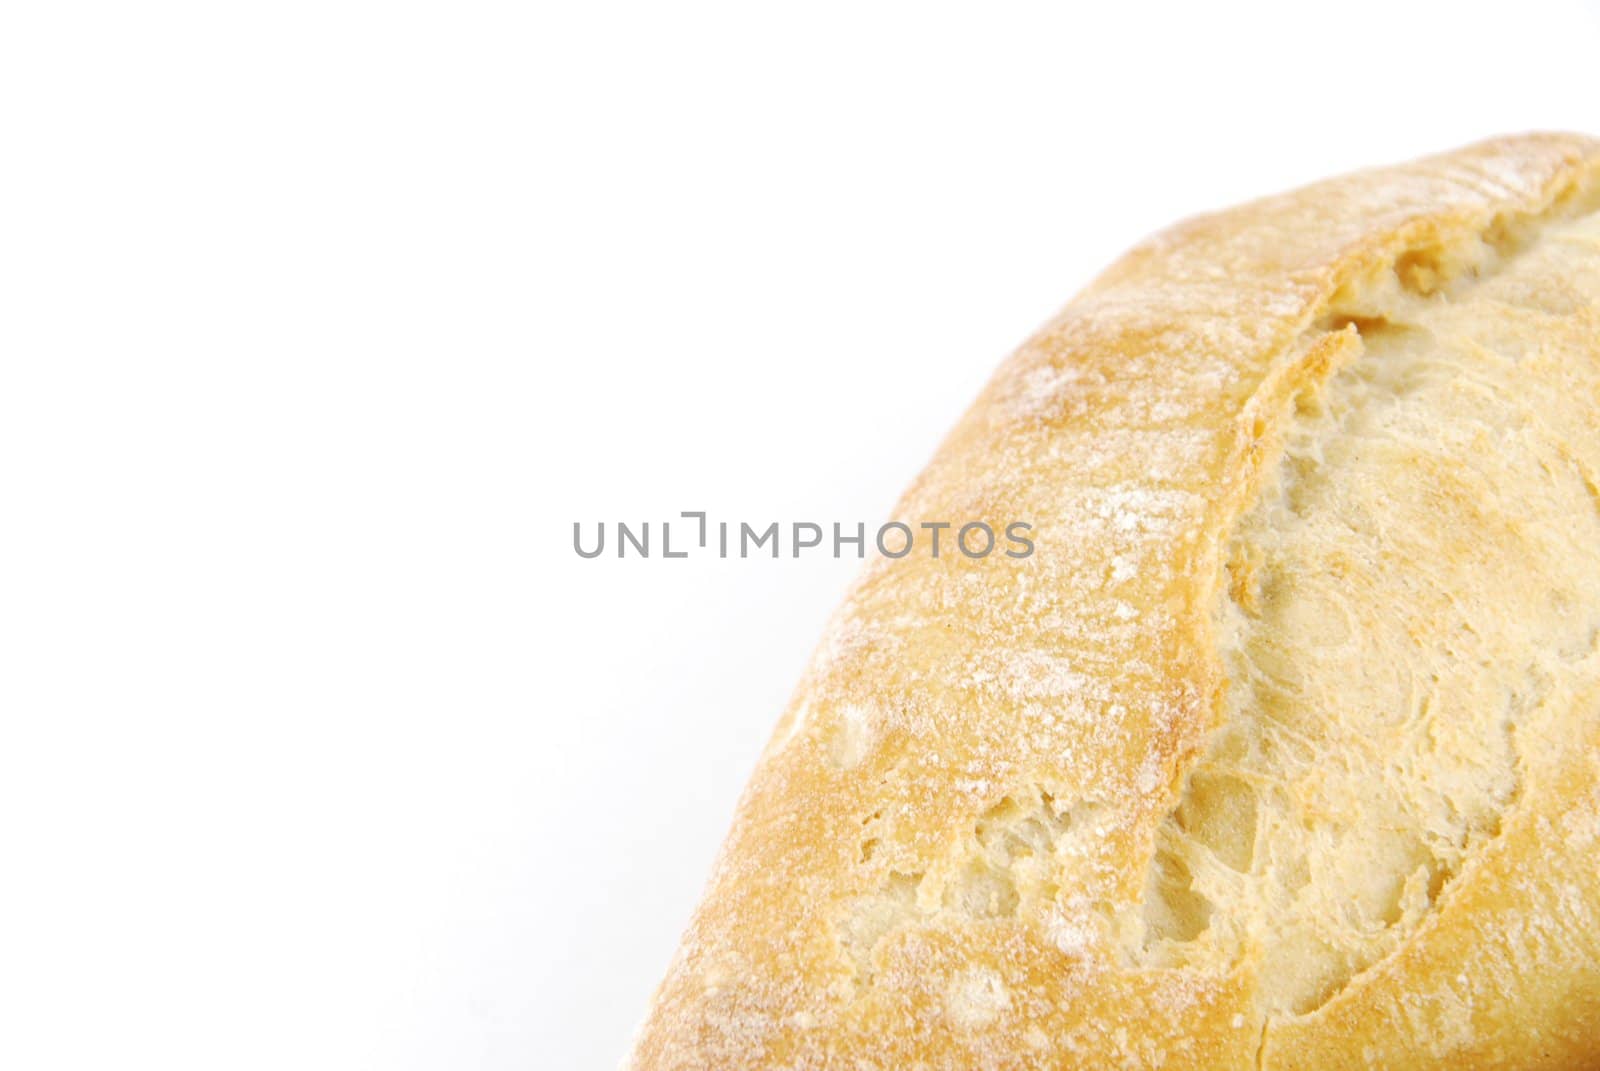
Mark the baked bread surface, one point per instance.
(1282, 749)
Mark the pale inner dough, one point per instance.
(1410, 607)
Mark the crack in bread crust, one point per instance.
(1416, 589)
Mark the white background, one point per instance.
(321, 323)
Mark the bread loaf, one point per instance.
(1282, 750)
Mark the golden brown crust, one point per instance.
(945, 856)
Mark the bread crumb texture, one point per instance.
(1283, 748)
